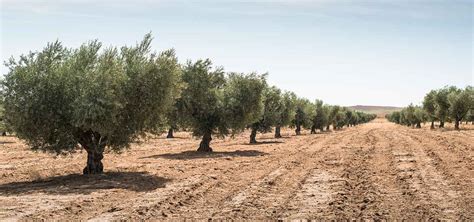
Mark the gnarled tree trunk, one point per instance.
(170, 133)
(313, 129)
(441, 124)
(206, 140)
(253, 136)
(327, 128)
(298, 130)
(278, 132)
(418, 125)
(432, 125)
(456, 124)
(94, 163)
(94, 144)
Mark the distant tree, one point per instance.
(333, 119)
(303, 115)
(220, 105)
(419, 116)
(394, 117)
(340, 119)
(286, 112)
(350, 117)
(460, 102)
(320, 118)
(442, 104)
(429, 105)
(59, 97)
(269, 118)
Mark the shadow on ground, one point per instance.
(263, 142)
(200, 155)
(86, 184)
(6, 142)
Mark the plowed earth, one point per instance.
(377, 170)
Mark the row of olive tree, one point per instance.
(58, 98)
(448, 104)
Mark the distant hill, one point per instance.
(379, 110)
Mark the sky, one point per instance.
(371, 52)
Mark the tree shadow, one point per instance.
(6, 142)
(187, 155)
(86, 184)
(174, 138)
(263, 142)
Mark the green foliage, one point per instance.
(446, 104)
(333, 116)
(287, 110)
(460, 103)
(429, 105)
(216, 104)
(54, 96)
(59, 97)
(321, 116)
(303, 114)
(442, 103)
(273, 105)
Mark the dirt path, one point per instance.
(374, 171)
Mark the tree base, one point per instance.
(170, 134)
(96, 170)
(278, 132)
(204, 149)
(94, 163)
(204, 146)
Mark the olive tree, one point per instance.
(333, 117)
(215, 103)
(286, 112)
(429, 105)
(303, 115)
(320, 118)
(394, 117)
(460, 102)
(272, 106)
(419, 116)
(59, 97)
(340, 119)
(442, 104)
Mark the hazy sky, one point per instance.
(345, 52)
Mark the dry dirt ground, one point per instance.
(377, 170)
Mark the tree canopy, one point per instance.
(59, 97)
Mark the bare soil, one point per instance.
(375, 171)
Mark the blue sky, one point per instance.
(376, 52)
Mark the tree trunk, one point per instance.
(206, 140)
(418, 125)
(253, 136)
(432, 125)
(278, 132)
(170, 133)
(298, 130)
(327, 128)
(94, 162)
(321, 129)
(456, 124)
(441, 124)
(94, 144)
(313, 130)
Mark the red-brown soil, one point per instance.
(377, 170)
